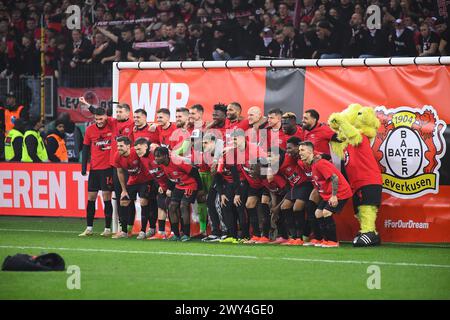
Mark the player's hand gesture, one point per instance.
(237, 200)
(160, 190)
(333, 201)
(223, 200)
(83, 100)
(124, 195)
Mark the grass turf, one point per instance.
(132, 269)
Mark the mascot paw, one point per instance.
(335, 120)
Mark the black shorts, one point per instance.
(100, 180)
(249, 191)
(179, 195)
(142, 189)
(116, 183)
(300, 192)
(369, 195)
(325, 205)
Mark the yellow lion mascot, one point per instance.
(355, 126)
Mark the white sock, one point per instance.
(107, 229)
(89, 228)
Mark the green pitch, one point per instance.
(132, 269)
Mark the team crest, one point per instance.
(408, 146)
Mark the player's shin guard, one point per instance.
(310, 208)
(202, 216)
(330, 228)
(253, 218)
(90, 213)
(108, 214)
(368, 216)
(131, 216)
(265, 219)
(145, 213)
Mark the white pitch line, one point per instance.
(36, 230)
(132, 251)
(401, 264)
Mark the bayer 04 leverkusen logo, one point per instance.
(408, 146)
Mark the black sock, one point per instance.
(153, 206)
(90, 213)
(330, 227)
(290, 224)
(123, 217)
(281, 225)
(131, 213)
(144, 217)
(253, 218)
(299, 220)
(175, 228)
(108, 214)
(161, 225)
(311, 207)
(186, 229)
(321, 222)
(265, 211)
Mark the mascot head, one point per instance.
(367, 122)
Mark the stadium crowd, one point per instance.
(256, 179)
(207, 30)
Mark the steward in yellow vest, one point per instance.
(14, 141)
(33, 147)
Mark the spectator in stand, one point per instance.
(328, 44)
(81, 51)
(428, 42)
(283, 13)
(221, 45)
(269, 6)
(277, 48)
(444, 33)
(354, 35)
(103, 55)
(145, 10)
(295, 45)
(401, 41)
(198, 44)
(307, 12)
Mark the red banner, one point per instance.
(68, 101)
(155, 89)
(413, 105)
(55, 190)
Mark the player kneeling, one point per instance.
(187, 183)
(139, 182)
(333, 189)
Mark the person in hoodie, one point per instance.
(55, 144)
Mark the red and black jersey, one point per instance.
(292, 171)
(145, 132)
(99, 140)
(225, 164)
(164, 135)
(237, 124)
(178, 171)
(276, 138)
(155, 170)
(136, 171)
(121, 128)
(322, 170)
(320, 136)
(244, 159)
(361, 167)
(298, 133)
